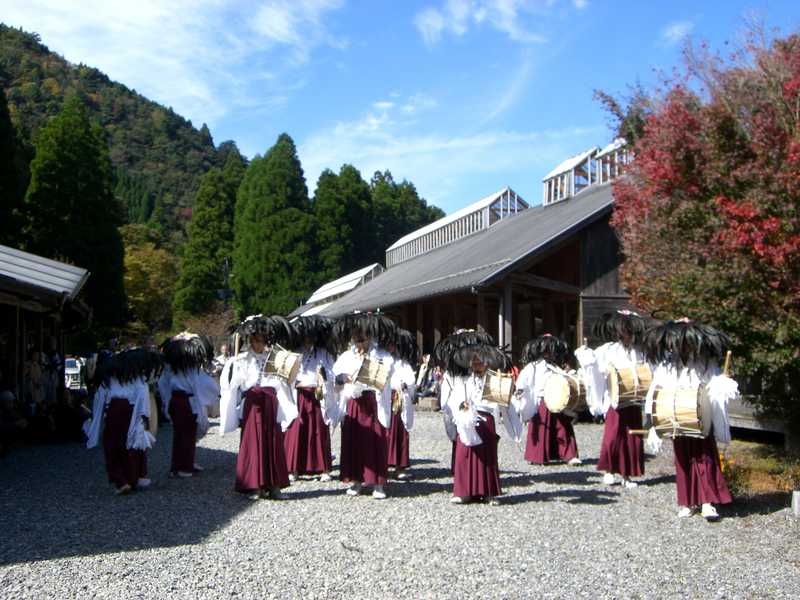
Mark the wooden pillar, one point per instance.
(456, 310)
(420, 323)
(508, 315)
(501, 320)
(437, 322)
(480, 315)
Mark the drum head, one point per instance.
(556, 393)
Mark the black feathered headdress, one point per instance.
(549, 347)
(455, 352)
(373, 326)
(187, 351)
(613, 326)
(406, 345)
(274, 329)
(130, 364)
(682, 342)
(317, 328)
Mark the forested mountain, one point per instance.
(93, 173)
(156, 154)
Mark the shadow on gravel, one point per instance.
(56, 502)
(757, 504)
(568, 477)
(653, 481)
(568, 496)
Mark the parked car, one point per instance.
(73, 374)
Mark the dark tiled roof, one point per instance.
(481, 258)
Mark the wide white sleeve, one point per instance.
(138, 437)
(94, 426)
(230, 397)
(721, 390)
(165, 387)
(465, 417)
(594, 378)
(524, 401)
(512, 422)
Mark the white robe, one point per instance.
(348, 363)
(530, 388)
(203, 391)
(404, 373)
(137, 393)
(595, 363)
(721, 389)
(469, 392)
(247, 371)
(307, 377)
(445, 391)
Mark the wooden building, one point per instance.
(38, 305)
(550, 268)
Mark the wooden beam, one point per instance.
(480, 316)
(537, 281)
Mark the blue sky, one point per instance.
(461, 97)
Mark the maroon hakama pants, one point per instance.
(621, 452)
(184, 432)
(261, 464)
(364, 442)
(124, 466)
(398, 443)
(475, 472)
(308, 440)
(550, 437)
(698, 476)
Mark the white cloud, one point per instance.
(510, 17)
(675, 32)
(515, 90)
(436, 162)
(193, 55)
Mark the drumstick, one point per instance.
(727, 368)
(638, 431)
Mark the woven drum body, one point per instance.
(563, 393)
(622, 385)
(283, 364)
(153, 421)
(682, 412)
(373, 374)
(498, 388)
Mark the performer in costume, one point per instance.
(262, 405)
(550, 435)
(365, 411)
(189, 391)
(121, 413)
(403, 384)
(471, 419)
(621, 454)
(688, 355)
(308, 440)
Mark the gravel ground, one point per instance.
(559, 533)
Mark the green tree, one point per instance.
(208, 246)
(272, 268)
(342, 212)
(397, 211)
(70, 210)
(9, 180)
(150, 274)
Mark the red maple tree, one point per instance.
(709, 213)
